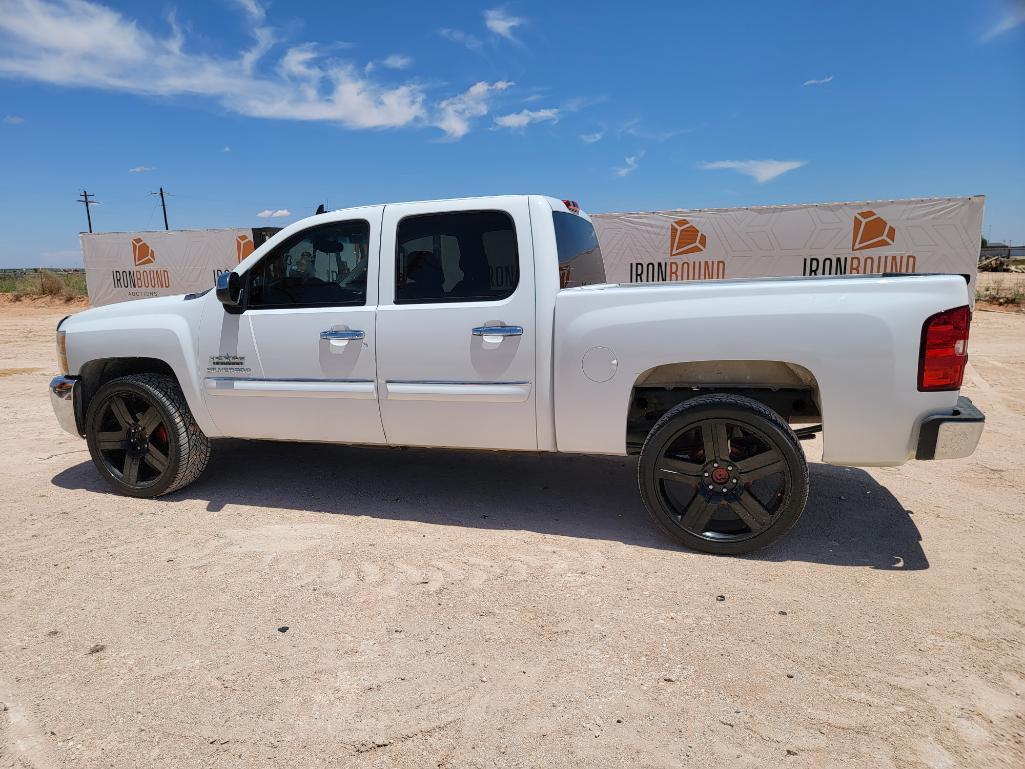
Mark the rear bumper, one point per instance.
(951, 436)
(65, 397)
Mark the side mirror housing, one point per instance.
(229, 291)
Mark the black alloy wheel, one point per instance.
(723, 474)
(132, 439)
(142, 436)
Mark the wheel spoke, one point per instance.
(149, 420)
(708, 441)
(131, 472)
(722, 441)
(697, 514)
(120, 411)
(156, 459)
(716, 441)
(761, 465)
(751, 512)
(670, 469)
(111, 441)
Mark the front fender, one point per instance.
(165, 336)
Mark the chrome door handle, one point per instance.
(342, 334)
(498, 331)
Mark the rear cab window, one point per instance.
(580, 259)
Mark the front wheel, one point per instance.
(142, 437)
(723, 474)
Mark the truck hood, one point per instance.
(158, 305)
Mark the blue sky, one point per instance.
(242, 107)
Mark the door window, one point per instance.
(580, 259)
(465, 256)
(324, 266)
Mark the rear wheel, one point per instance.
(142, 437)
(723, 474)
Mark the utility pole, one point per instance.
(163, 205)
(85, 199)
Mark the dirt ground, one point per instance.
(450, 609)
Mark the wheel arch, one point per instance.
(97, 372)
(789, 389)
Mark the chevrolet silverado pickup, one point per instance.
(486, 323)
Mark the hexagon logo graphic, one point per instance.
(871, 231)
(685, 238)
(243, 247)
(141, 252)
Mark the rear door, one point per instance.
(455, 326)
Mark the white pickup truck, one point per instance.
(486, 323)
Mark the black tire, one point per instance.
(760, 483)
(142, 437)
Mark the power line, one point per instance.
(163, 205)
(84, 198)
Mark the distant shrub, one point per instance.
(43, 282)
(1003, 296)
(50, 284)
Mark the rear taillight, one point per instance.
(572, 205)
(944, 351)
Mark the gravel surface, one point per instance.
(314, 606)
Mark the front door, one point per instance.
(304, 366)
(455, 325)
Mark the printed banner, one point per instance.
(933, 235)
(134, 265)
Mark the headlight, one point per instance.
(62, 352)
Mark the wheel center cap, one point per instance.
(720, 475)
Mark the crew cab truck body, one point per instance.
(485, 323)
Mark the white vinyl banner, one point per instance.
(134, 265)
(931, 235)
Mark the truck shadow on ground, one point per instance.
(850, 520)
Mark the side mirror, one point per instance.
(229, 290)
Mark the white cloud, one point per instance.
(141, 169)
(636, 129)
(253, 9)
(630, 165)
(80, 43)
(13, 119)
(1014, 17)
(502, 24)
(454, 114)
(267, 213)
(592, 138)
(823, 81)
(761, 170)
(463, 38)
(226, 148)
(525, 117)
(395, 61)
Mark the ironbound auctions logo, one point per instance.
(142, 254)
(870, 231)
(684, 239)
(244, 246)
